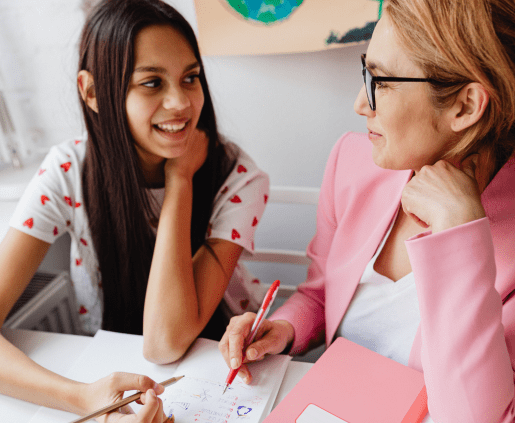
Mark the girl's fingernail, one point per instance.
(234, 363)
(152, 393)
(252, 354)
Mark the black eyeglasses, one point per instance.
(370, 82)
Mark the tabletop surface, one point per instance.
(43, 347)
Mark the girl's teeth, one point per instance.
(171, 128)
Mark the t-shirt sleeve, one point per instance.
(46, 208)
(239, 204)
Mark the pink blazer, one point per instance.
(464, 277)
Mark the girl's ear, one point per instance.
(87, 89)
(469, 107)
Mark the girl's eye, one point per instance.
(154, 83)
(190, 79)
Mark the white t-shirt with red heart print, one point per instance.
(52, 204)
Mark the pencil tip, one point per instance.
(225, 389)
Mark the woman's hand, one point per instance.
(442, 196)
(271, 338)
(191, 161)
(110, 389)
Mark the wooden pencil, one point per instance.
(122, 402)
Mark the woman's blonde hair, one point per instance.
(462, 41)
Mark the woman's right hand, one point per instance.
(110, 389)
(272, 338)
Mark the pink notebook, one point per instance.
(352, 384)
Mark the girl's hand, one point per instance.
(110, 390)
(191, 161)
(271, 338)
(442, 196)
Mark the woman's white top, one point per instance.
(383, 315)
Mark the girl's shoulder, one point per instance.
(73, 149)
(65, 159)
(244, 165)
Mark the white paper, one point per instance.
(205, 372)
(198, 397)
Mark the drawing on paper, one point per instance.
(265, 12)
(243, 411)
(355, 35)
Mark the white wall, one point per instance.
(286, 111)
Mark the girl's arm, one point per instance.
(182, 292)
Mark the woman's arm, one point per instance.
(465, 348)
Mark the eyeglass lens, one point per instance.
(369, 86)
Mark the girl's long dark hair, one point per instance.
(116, 201)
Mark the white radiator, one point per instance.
(47, 304)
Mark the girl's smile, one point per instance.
(165, 96)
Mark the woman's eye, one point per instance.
(154, 83)
(381, 85)
(190, 79)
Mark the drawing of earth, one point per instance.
(264, 11)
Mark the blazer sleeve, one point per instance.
(465, 355)
(305, 309)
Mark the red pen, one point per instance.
(261, 315)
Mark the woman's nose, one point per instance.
(361, 106)
(175, 98)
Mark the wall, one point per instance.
(286, 111)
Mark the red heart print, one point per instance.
(255, 280)
(66, 166)
(255, 221)
(68, 201)
(41, 171)
(77, 142)
(44, 199)
(235, 199)
(56, 232)
(83, 241)
(83, 310)
(78, 262)
(224, 190)
(77, 205)
(242, 169)
(30, 222)
(235, 234)
(244, 304)
(266, 198)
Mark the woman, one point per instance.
(158, 207)
(414, 251)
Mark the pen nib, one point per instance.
(225, 389)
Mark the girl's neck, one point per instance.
(153, 173)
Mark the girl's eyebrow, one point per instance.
(161, 70)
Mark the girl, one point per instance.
(439, 98)
(158, 207)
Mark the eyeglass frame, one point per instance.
(372, 96)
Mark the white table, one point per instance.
(57, 352)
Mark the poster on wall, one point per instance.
(244, 27)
